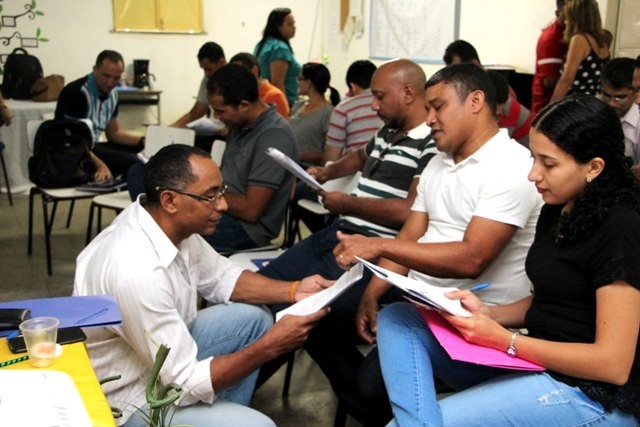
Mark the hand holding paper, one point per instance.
(290, 165)
(434, 296)
(459, 349)
(323, 298)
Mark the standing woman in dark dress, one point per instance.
(588, 49)
(582, 318)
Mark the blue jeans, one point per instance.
(218, 330)
(410, 355)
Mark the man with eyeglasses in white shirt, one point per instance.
(155, 262)
(618, 91)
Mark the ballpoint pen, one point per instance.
(480, 286)
(91, 316)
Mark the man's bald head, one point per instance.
(398, 94)
(404, 72)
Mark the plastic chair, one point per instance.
(344, 184)
(217, 150)
(4, 172)
(115, 201)
(48, 196)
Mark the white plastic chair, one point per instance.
(217, 151)
(115, 201)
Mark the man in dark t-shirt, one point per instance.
(93, 97)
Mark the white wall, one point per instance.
(503, 31)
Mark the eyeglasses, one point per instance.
(210, 200)
(616, 98)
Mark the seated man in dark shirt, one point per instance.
(92, 97)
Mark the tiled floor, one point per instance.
(311, 401)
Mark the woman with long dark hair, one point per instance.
(310, 116)
(275, 55)
(588, 49)
(582, 317)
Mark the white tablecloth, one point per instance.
(17, 152)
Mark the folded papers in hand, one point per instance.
(433, 296)
(323, 298)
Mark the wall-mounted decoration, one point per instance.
(12, 20)
(13, 31)
(415, 29)
(158, 16)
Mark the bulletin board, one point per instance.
(415, 29)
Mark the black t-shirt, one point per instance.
(565, 279)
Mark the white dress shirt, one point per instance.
(631, 128)
(156, 286)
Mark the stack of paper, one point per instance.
(40, 398)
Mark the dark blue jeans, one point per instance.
(312, 255)
(332, 344)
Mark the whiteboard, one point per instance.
(415, 29)
(628, 35)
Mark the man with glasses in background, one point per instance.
(617, 90)
(155, 263)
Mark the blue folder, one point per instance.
(83, 311)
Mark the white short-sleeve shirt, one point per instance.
(492, 183)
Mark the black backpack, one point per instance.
(21, 70)
(61, 154)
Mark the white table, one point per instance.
(17, 152)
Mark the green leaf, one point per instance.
(43, 39)
(38, 32)
(39, 13)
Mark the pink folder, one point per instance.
(460, 349)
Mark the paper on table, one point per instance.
(460, 349)
(40, 398)
(325, 297)
(287, 163)
(431, 295)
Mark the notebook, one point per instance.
(161, 136)
(104, 186)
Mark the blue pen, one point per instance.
(480, 286)
(13, 334)
(91, 316)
